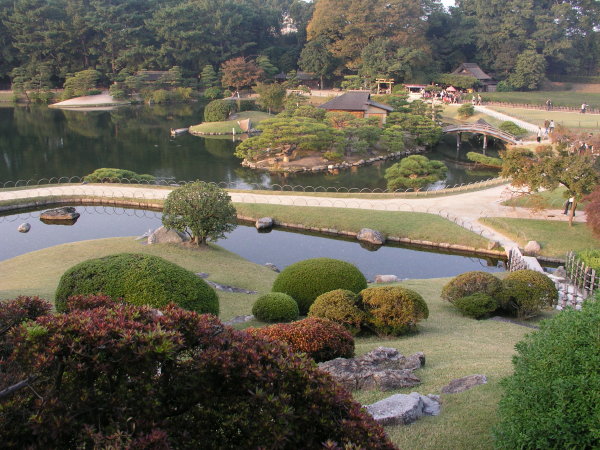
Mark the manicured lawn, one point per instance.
(556, 238)
(413, 225)
(568, 119)
(559, 98)
(226, 126)
(450, 115)
(6, 96)
(542, 200)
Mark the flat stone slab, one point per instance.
(67, 214)
(402, 409)
(463, 384)
(371, 236)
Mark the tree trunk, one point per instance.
(572, 212)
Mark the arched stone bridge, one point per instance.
(480, 127)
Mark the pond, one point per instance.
(38, 142)
(102, 222)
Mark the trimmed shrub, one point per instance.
(305, 280)
(321, 339)
(512, 128)
(466, 110)
(15, 312)
(551, 400)
(109, 175)
(275, 307)
(218, 110)
(340, 306)
(476, 305)
(526, 292)
(213, 93)
(393, 310)
(470, 283)
(138, 279)
(126, 377)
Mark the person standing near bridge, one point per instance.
(551, 127)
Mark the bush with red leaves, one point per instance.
(321, 339)
(133, 377)
(592, 211)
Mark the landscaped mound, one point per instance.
(476, 306)
(304, 281)
(140, 280)
(321, 339)
(123, 376)
(393, 310)
(552, 399)
(470, 283)
(526, 292)
(340, 306)
(106, 175)
(275, 307)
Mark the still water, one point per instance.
(102, 222)
(37, 142)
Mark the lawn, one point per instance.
(226, 126)
(450, 116)
(559, 98)
(413, 225)
(568, 119)
(454, 346)
(542, 200)
(556, 238)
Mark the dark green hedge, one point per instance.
(470, 283)
(526, 292)
(476, 306)
(138, 279)
(275, 307)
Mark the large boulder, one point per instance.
(532, 248)
(264, 223)
(463, 384)
(24, 228)
(384, 369)
(66, 215)
(164, 235)
(402, 409)
(371, 236)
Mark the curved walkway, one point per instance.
(505, 117)
(464, 209)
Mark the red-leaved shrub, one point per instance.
(133, 377)
(321, 339)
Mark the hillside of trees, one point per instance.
(409, 40)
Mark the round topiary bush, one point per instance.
(476, 305)
(306, 280)
(321, 339)
(526, 292)
(138, 279)
(218, 110)
(470, 283)
(393, 310)
(339, 306)
(275, 307)
(551, 400)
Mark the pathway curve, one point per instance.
(505, 117)
(464, 209)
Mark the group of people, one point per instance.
(548, 130)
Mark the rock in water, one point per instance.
(164, 235)
(264, 223)
(273, 267)
(402, 409)
(24, 228)
(371, 236)
(60, 216)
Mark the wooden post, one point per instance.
(484, 143)
(458, 139)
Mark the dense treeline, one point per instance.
(519, 41)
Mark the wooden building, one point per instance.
(488, 84)
(359, 104)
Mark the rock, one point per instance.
(386, 278)
(264, 223)
(493, 245)
(273, 267)
(402, 409)
(560, 272)
(239, 319)
(370, 236)
(532, 248)
(164, 235)
(383, 368)
(66, 215)
(24, 228)
(463, 384)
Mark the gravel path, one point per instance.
(505, 117)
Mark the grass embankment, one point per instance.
(450, 116)
(6, 97)
(556, 238)
(537, 117)
(542, 200)
(454, 346)
(559, 98)
(225, 127)
(413, 225)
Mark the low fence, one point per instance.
(585, 278)
(539, 107)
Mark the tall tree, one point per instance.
(239, 72)
(316, 58)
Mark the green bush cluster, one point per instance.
(484, 160)
(476, 305)
(526, 292)
(109, 175)
(218, 110)
(305, 280)
(591, 257)
(275, 307)
(469, 283)
(552, 399)
(512, 128)
(387, 310)
(466, 110)
(138, 279)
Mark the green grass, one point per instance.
(556, 238)
(450, 116)
(559, 98)
(6, 96)
(413, 225)
(567, 119)
(38, 273)
(542, 200)
(226, 126)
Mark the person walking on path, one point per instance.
(478, 99)
(539, 134)
(551, 127)
(568, 205)
(583, 107)
(546, 126)
(548, 105)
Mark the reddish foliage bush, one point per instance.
(14, 312)
(321, 339)
(592, 211)
(83, 302)
(130, 376)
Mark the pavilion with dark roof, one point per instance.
(359, 104)
(473, 70)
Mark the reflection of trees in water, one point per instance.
(219, 148)
(89, 124)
